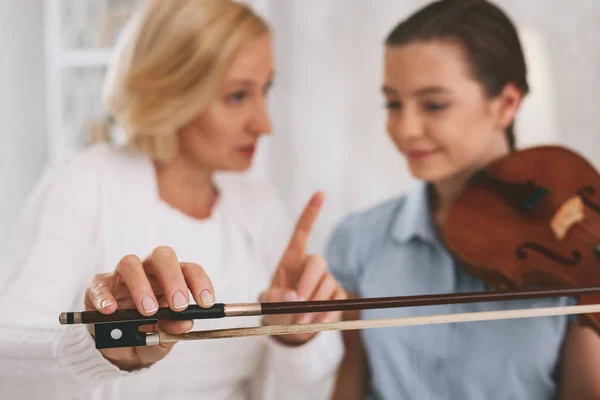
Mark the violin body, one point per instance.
(531, 218)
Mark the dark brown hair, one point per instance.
(487, 34)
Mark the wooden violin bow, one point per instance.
(121, 328)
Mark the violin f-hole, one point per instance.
(522, 254)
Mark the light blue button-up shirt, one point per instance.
(392, 249)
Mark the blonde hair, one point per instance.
(169, 64)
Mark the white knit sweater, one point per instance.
(102, 204)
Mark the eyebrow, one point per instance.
(388, 90)
(243, 82)
(418, 92)
(248, 82)
(430, 90)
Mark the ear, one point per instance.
(507, 105)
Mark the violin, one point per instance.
(527, 224)
(532, 218)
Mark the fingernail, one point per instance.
(105, 303)
(207, 298)
(148, 304)
(290, 296)
(179, 300)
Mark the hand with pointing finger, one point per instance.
(300, 277)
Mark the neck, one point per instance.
(187, 187)
(446, 191)
(444, 194)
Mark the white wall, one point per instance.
(22, 104)
(326, 106)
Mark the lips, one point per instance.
(248, 149)
(421, 154)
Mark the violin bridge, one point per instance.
(569, 213)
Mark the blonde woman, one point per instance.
(188, 86)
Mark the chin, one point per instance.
(429, 173)
(237, 166)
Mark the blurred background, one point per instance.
(326, 106)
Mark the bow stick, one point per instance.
(121, 328)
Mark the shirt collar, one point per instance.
(413, 220)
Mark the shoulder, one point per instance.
(357, 238)
(67, 196)
(120, 175)
(118, 161)
(68, 179)
(96, 160)
(76, 181)
(368, 225)
(375, 217)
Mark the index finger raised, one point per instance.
(303, 228)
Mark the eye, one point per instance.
(268, 88)
(434, 106)
(393, 105)
(237, 97)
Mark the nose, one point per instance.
(261, 122)
(405, 124)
